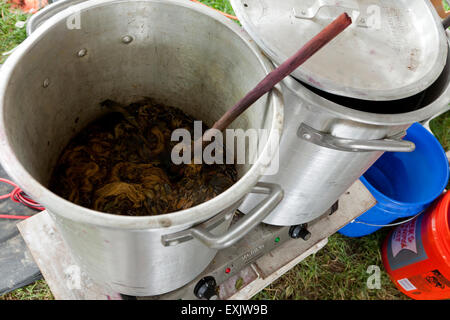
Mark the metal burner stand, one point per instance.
(238, 272)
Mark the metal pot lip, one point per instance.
(184, 218)
(340, 111)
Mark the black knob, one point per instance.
(206, 288)
(299, 231)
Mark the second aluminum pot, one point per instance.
(328, 142)
(176, 52)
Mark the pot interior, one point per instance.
(178, 56)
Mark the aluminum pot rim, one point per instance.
(187, 217)
(324, 105)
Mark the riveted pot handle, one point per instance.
(238, 230)
(391, 144)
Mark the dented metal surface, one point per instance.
(201, 70)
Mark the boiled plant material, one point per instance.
(121, 164)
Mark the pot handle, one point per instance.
(238, 230)
(391, 144)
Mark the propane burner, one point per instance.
(233, 260)
(238, 272)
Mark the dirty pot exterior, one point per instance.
(326, 147)
(176, 52)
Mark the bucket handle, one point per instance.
(390, 144)
(238, 230)
(388, 225)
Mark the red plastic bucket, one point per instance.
(416, 255)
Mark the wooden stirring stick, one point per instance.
(285, 69)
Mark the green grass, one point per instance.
(38, 290)
(338, 271)
(10, 35)
(441, 128)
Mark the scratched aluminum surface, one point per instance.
(393, 49)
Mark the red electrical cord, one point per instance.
(17, 195)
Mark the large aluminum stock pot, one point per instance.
(328, 142)
(176, 52)
(331, 136)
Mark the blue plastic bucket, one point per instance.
(403, 183)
